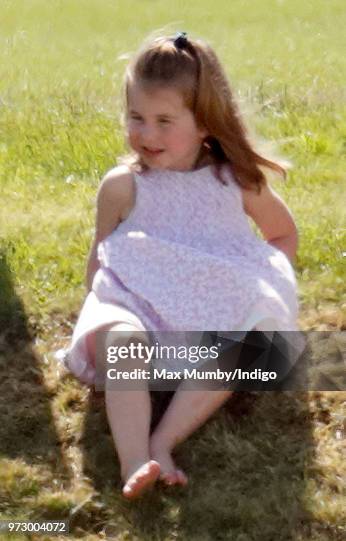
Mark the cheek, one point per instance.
(183, 139)
(132, 135)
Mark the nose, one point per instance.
(148, 134)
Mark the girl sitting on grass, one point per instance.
(173, 247)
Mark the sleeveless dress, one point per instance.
(186, 259)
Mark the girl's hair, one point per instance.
(193, 68)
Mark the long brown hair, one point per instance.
(195, 70)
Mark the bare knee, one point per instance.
(114, 334)
(122, 346)
(124, 333)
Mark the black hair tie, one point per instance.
(180, 40)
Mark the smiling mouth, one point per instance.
(152, 151)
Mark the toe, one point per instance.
(169, 478)
(182, 479)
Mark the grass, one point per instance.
(59, 132)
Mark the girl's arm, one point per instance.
(113, 199)
(274, 219)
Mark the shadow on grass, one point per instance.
(246, 470)
(27, 430)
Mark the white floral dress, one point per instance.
(186, 259)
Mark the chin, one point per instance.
(154, 163)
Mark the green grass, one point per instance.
(60, 131)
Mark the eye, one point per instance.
(164, 121)
(135, 117)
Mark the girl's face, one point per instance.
(161, 129)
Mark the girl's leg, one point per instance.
(129, 414)
(187, 411)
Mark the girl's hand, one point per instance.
(274, 219)
(114, 199)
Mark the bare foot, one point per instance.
(143, 478)
(170, 474)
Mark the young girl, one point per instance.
(173, 248)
